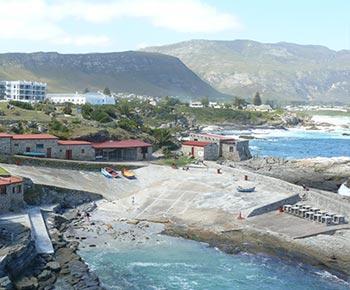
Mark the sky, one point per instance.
(81, 26)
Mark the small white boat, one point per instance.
(109, 172)
(247, 189)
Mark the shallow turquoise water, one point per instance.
(173, 263)
(297, 144)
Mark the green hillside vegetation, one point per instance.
(131, 72)
(281, 71)
(127, 119)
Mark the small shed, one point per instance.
(200, 150)
(11, 193)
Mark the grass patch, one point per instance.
(4, 172)
(179, 162)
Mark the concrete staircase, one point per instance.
(39, 232)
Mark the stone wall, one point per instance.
(5, 145)
(40, 146)
(275, 205)
(13, 198)
(79, 152)
(329, 201)
(236, 150)
(208, 152)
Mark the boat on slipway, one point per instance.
(109, 172)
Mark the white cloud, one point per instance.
(178, 15)
(44, 20)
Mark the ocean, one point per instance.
(173, 263)
(296, 143)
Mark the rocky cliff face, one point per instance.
(134, 72)
(280, 71)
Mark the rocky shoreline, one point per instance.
(256, 242)
(321, 173)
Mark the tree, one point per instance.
(67, 110)
(107, 91)
(239, 102)
(163, 137)
(257, 99)
(205, 101)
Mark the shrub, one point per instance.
(22, 105)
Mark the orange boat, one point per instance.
(128, 173)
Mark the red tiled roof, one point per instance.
(10, 180)
(121, 144)
(5, 135)
(73, 142)
(33, 136)
(196, 143)
(221, 137)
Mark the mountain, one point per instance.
(281, 71)
(133, 71)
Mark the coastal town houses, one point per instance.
(24, 91)
(11, 193)
(49, 146)
(93, 98)
(227, 147)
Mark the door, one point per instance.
(192, 151)
(48, 153)
(27, 149)
(69, 154)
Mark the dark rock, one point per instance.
(26, 283)
(53, 266)
(44, 275)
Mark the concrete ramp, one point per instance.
(39, 231)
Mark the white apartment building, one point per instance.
(25, 91)
(81, 99)
(196, 104)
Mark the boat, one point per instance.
(248, 189)
(109, 172)
(128, 173)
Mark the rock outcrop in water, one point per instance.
(321, 173)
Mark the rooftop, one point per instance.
(10, 180)
(121, 144)
(196, 143)
(33, 136)
(221, 137)
(73, 142)
(5, 135)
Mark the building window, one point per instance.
(82, 151)
(16, 145)
(14, 189)
(39, 146)
(231, 149)
(2, 189)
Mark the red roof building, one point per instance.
(121, 144)
(73, 142)
(34, 137)
(10, 180)
(195, 143)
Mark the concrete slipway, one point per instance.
(160, 190)
(199, 196)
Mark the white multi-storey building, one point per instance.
(26, 91)
(81, 99)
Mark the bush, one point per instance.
(57, 126)
(22, 105)
(127, 124)
(67, 110)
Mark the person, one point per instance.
(133, 200)
(87, 215)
